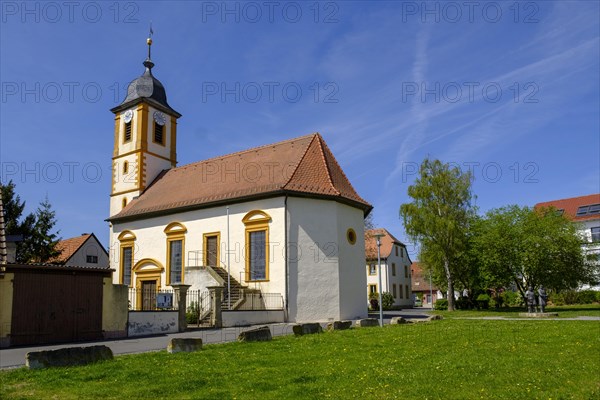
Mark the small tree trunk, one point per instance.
(450, 294)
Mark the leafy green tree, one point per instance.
(531, 247)
(438, 217)
(41, 245)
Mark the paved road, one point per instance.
(15, 357)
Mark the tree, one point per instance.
(369, 223)
(14, 223)
(531, 247)
(13, 209)
(39, 242)
(41, 245)
(438, 217)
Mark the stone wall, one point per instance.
(114, 309)
(143, 323)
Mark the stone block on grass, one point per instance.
(367, 322)
(68, 356)
(339, 325)
(184, 345)
(262, 334)
(398, 320)
(307, 329)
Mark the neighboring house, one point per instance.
(395, 267)
(422, 287)
(278, 219)
(82, 251)
(585, 211)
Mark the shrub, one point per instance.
(586, 297)
(441, 304)
(512, 299)
(387, 300)
(192, 313)
(574, 297)
(462, 303)
(483, 301)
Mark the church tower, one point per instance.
(145, 137)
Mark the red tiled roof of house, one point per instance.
(68, 247)
(387, 243)
(420, 280)
(571, 205)
(304, 166)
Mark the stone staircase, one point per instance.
(236, 288)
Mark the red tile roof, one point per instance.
(68, 247)
(420, 279)
(387, 243)
(303, 166)
(571, 205)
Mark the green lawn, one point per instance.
(448, 359)
(570, 311)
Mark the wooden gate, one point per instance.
(51, 306)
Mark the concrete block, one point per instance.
(67, 357)
(261, 334)
(398, 320)
(307, 329)
(367, 322)
(184, 345)
(339, 325)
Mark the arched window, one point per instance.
(125, 167)
(127, 243)
(175, 232)
(124, 202)
(257, 245)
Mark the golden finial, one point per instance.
(149, 40)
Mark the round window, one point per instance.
(351, 236)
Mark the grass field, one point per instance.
(570, 311)
(449, 359)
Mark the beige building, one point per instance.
(395, 267)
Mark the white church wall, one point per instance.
(352, 278)
(151, 241)
(313, 260)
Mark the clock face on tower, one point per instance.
(159, 118)
(127, 116)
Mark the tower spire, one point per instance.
(148, 62)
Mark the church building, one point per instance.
(280, 218)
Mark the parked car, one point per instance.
(418, 302)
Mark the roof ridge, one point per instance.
(321, 144)
(300, 161)
(246, 151)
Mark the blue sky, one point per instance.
(508, 89)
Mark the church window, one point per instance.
(175, 250)
(126, 261)
(127, 240)
(127, 136)
(158, 133)
(125, 167)
(257, 245)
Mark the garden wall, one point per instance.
(142, 323)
